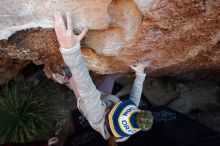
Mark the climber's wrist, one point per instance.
(68, 43)
(140, 74)
(139, 71)
(68, 51)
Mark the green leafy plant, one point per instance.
(25, 112)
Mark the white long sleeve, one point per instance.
(137, 88)
(89, 102)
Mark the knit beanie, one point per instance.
(123, 119)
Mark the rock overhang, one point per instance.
(178, 36)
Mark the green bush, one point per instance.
(25, 112)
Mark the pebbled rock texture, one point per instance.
(176, 36)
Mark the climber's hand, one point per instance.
(140, 66)
(65, 35)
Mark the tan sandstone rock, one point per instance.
(177, 36)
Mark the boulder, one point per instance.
(176, 36)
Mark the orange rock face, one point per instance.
(177, 36)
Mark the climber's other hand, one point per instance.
(65, 36)
(139, 67)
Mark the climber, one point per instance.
(106, 114)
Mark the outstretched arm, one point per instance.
(137, 88)
(89, 97)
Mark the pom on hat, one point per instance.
(144, 120)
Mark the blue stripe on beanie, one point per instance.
(115, 115)
(133, 120)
